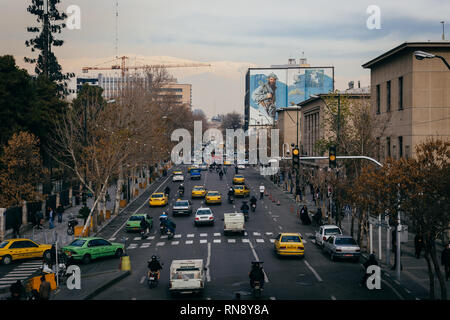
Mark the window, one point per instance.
(388, 146)
(78, 243)
(348, 241)
(4, 244)
(17, 245)
(333, 231)
(378, 148)
(29, 244)
(400, 93)
(400, 147)
(102, 242)
(378, 99)
(290, 239)
(388, 96)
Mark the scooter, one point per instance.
(257, 289)
(246, 215)
(162, 229)
(181, 192)
(71, 226)
(170, 234)
(152, 279)
(230, 199)
(144, 234)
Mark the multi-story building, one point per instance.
(413, 95)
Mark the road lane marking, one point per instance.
(159, 244)
(208, 259)
(174, 243)
(272, 240)
(256, 233)
(216, 234)
(259, 240)
(203, 234)
(189, 242)
(177, 236)
(145, 202)
(112, 239)
(313, 271)
(137, 238)
(269, 233)
(266, 279)
(203, 241)
(217, 241)
(165, 236)
(145, 245)
(231, 240)
(142, 280)
(132, 246)
(190, 235)
(151, 238)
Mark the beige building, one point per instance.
(181, 92)
(287, 126)
(412, 95)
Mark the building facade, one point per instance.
(413, 95)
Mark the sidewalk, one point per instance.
(414, 276)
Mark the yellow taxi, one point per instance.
(158, 199)
(213, 197)
(241, 191)
(227, 163)
(289, 244)
(177, 172)
(238, 179)
(192, 168)
(15, 249)
(198, 192)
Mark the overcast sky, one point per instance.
(232, 36)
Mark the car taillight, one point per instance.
(325, 238)
(210, 218)
(197, 218)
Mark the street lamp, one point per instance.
(420, 55)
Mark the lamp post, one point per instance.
(420, 55)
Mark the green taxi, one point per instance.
(89, 248)
(134, 222)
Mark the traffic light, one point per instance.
(332, 157)
(296, 157)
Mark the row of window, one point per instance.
(389, 95)
(389, 147)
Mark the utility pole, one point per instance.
(46, 44)
(443, 30)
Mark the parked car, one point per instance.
(339, 246)
(182, 207)
(203, 216)
(325, 232)
(289, 244)
(16, 249)
(134, 222)
(89, 248)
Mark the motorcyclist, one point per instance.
(256, 274)
(163, 219)
(221, 174)
(261, 191)
(253, 200)
(245, 207)
(167, 190)
(154, 266)
(144, 225)
(170, 225)
(371, 262)
(181, 189)
(236, 170)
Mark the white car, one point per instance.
(178, 178)
(241, 166)
(325, 232)
(203, 166)
(204, 216)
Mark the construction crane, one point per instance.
(125, 68)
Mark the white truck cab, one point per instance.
(187, 276)
(233, 222)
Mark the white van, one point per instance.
(187, 276)
(233, 223)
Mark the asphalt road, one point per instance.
(228, 258)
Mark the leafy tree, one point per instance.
(21, 170)
(52, 22)
(232, 120)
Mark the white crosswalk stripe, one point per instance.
(190, 235)
(269, 233)
(132, 246)
(112, 239)
(245, 240)
(256, 233)
(272, 240)
(177, 236)
(203, 234)
(151, 237)
(217, 234)
(231, 240)
(166, 236)
(189, 242)
(174, 243)
(137, 238)
(260, 240)
(217, 241)
(203, 241)
(160, 244)
(145, 245)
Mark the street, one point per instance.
(228, 258)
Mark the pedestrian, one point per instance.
(16, 290)
(298, 193)
(44, 289)
(418, 244)
(16, 228)
(318, 217)
(445, 260)
(50, 218)
(261, 191)
(38, 216)
(304, 215)
(52, 261)
(60, 211)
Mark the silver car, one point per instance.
(339, 246)
(182, 207)
(204, 216)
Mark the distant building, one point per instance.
(413, 94)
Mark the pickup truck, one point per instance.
(187, 276)
(233, 223)
(196, 174)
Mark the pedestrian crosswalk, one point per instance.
(202, 238)
(21, 272)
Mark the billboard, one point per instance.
(270, 89)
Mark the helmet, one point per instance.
(154, 257)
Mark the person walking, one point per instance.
(38, 216)
(298, 193)
(304, 215)
(292, 187)
(445, 260)
(51, 217)
(418, 244)
(59, 212)
(44, 289)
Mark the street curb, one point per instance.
(107, 285)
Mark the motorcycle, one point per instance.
(144, 234)
(230, 199)
(181, 192)
(170, 234)
(162, 229)
(71, 226)
(246, 215)
(257, 289)
(253, 206)
(152, 279)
